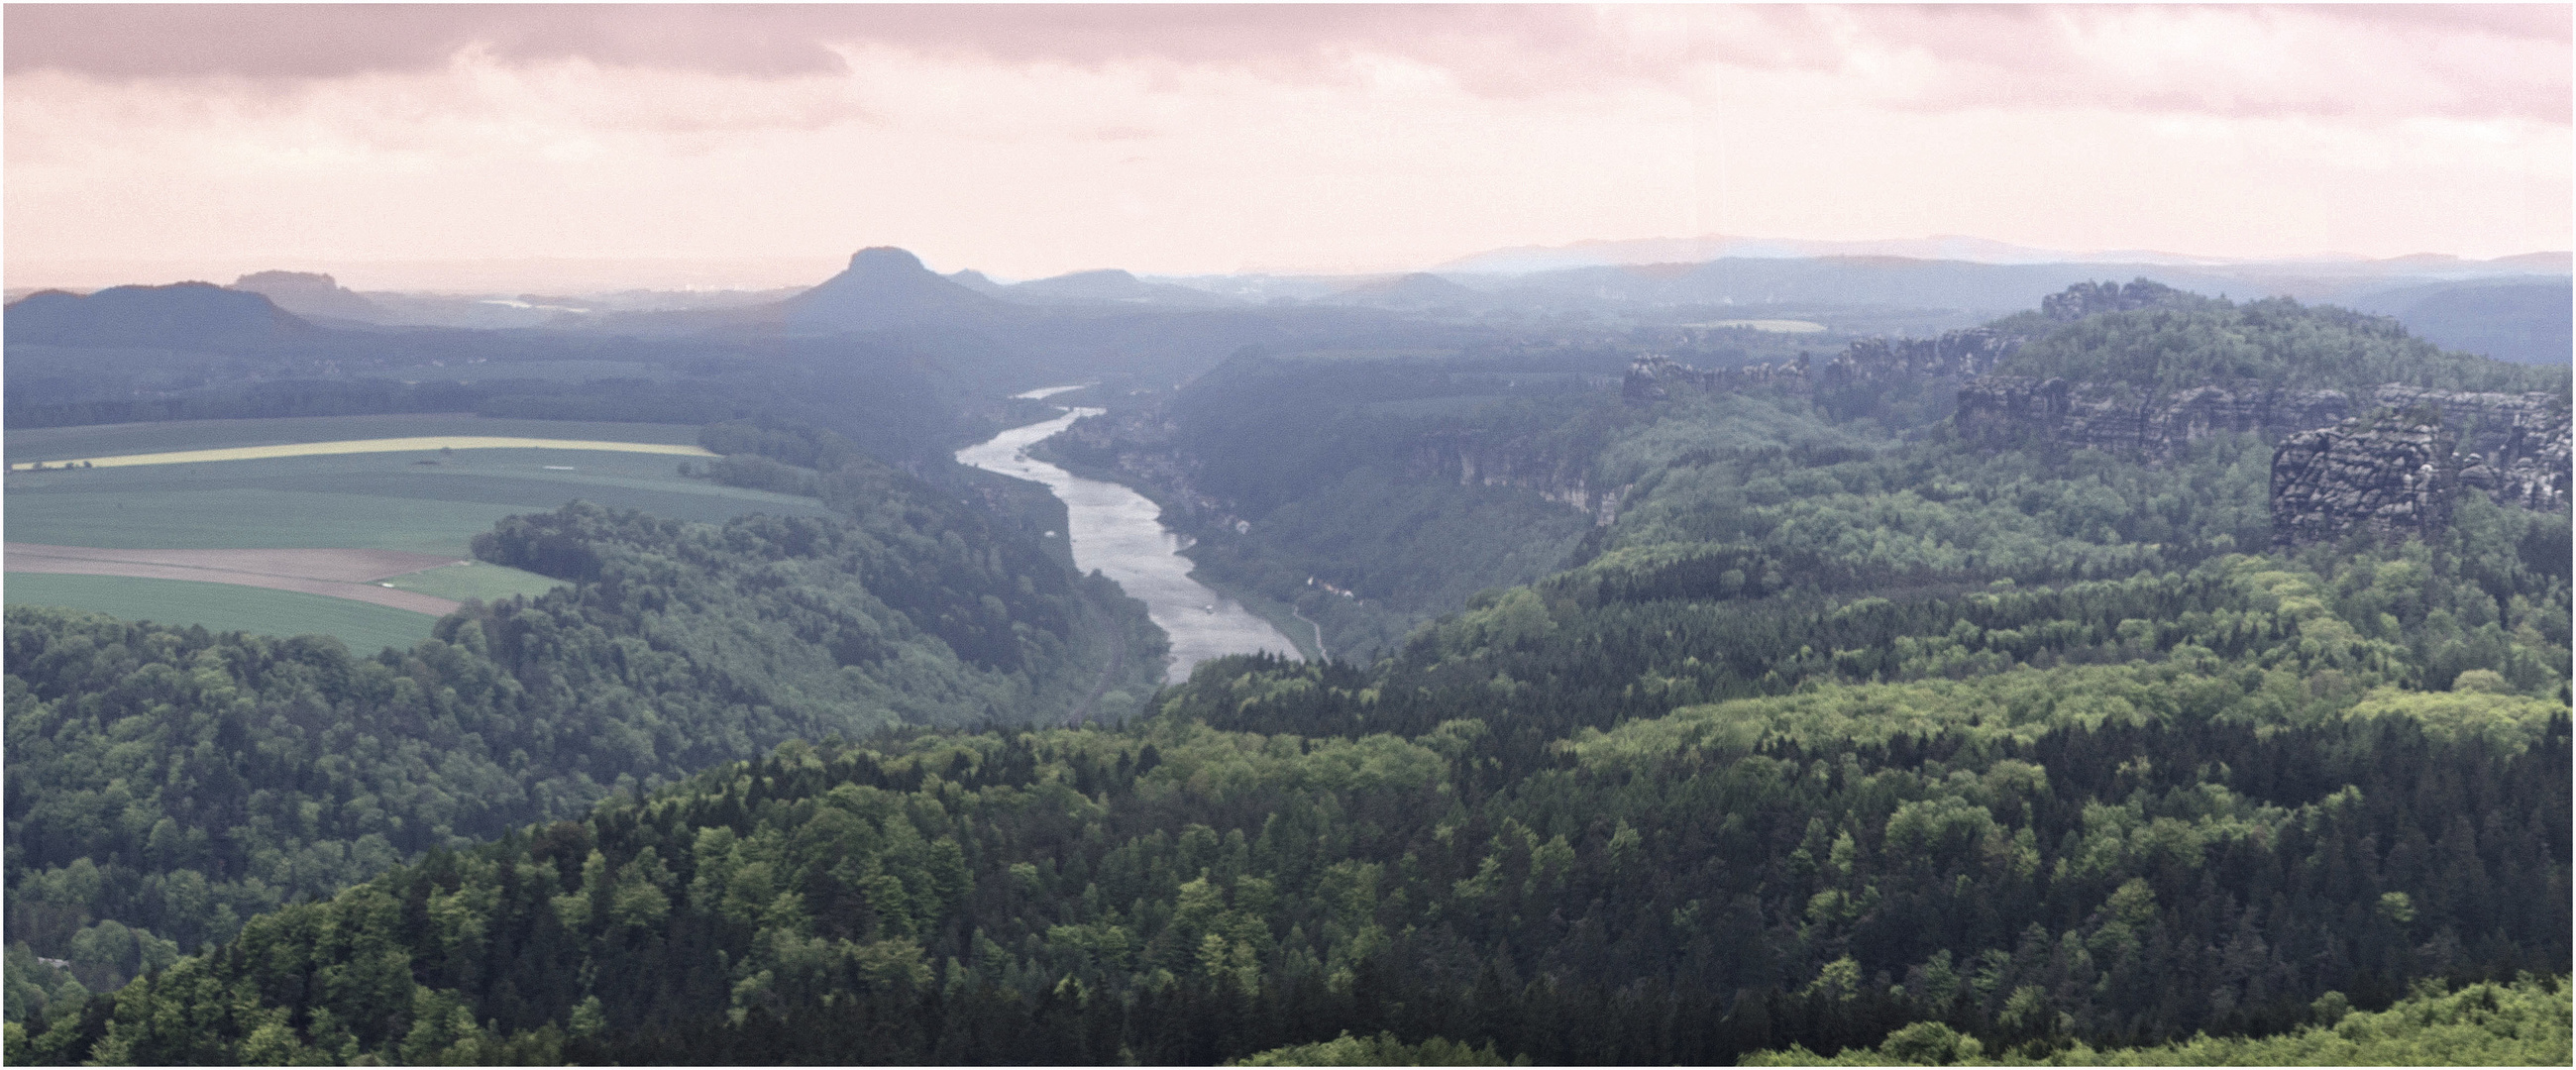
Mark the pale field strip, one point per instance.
(372, 445)
(329, 572)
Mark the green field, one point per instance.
(223, 607)
(384, 501)
(425, 502)
(481, 579)
(105, 440)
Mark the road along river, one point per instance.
(1120, 532)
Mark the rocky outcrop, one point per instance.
(2391, 475)
(1955, 354)
(1472, 463)
(2515, 446)
(2007, 410)
(1651, 377)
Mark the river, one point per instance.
(1120, 532)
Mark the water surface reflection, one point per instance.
(1120, 532)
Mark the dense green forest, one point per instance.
(2186, 340)
(2119, 854)
(167, 784)
(2120, 812)
(1845, 741)
(2525, 1023)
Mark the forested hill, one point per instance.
(2154, 337)
(1843, 732)
(1631, 826)
(167, 784)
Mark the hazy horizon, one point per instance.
(536, 147)
(603, 276)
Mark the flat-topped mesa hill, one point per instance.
(311, 293)
(185, 315)
(887, 287)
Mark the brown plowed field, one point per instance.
(336, 573)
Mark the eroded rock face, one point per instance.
(2331, 472)
(2010, 410)
(2392, 475)
(1461, 457)
(2516, 446)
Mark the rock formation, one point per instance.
(2393, 474)
(1470, 462)
(2010, 410)
(2513, 447)
(2517, 445)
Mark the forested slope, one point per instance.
(167, 784)
(2207, 831)
(1836, 739)
(2526, 1023)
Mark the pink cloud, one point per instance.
(2470, 62)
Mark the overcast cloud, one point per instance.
(1033, 140)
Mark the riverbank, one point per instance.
(1281, 615)
(1116, 530)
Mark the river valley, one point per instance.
(1119, 532)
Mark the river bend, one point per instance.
(1120, 532)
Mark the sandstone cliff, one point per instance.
(2392, 475)
(2008, 410)
(2516, 446)
(1471, 462)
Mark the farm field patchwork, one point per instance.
(422, 502)
(346, 574)
(474, 579)
(223, 607)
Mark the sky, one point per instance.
(502, 147)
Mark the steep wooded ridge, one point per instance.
(166, 784)
(1852, 734)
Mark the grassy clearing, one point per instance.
(52, 444)
(480, 579)
(384, 501)
(223, 607)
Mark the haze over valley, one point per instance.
(1196, 536)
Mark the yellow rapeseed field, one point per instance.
(369, 445)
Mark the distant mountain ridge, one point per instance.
(1527, 259)
(183, 315)
(1098, 286)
